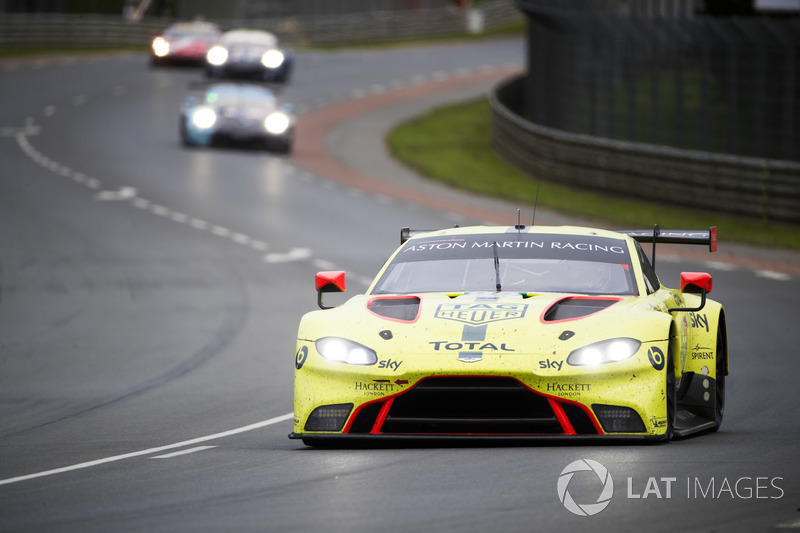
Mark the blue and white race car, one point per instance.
(243, 114)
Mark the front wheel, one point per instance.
(672, 397)
(721, 354)
(185, 141)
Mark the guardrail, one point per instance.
(74, 31)
(765, 189)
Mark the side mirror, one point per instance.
(694, 283)
(329, 281)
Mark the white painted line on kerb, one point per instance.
(149, 451)
(768, 274)
(183, 452)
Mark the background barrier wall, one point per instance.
(439, 18)
(661, 72)
(759, 188)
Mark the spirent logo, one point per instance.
(587, 509)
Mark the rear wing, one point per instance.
(407, 233)
(657, 235)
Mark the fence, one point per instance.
(764, 189)
(435, 18)
(655, 71)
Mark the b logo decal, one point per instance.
(656, 357)
(300, 358)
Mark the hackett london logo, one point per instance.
(480, 313)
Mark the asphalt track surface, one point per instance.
(150, 294)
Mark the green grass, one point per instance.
(514, 29)
(451, 144)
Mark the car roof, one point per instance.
(239, 90)
(198, 26)
(549, 230)
(250, 37)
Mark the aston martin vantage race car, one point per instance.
(252, 54)
(514, 332)
(237, 113)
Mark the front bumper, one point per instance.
(239, 134)
(494, 401)
(247, 70)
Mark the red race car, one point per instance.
(184, 42)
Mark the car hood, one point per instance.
(484, 323)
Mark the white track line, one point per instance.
(148, 451)
(183, 452)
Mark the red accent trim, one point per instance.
(419, 308)
(546, 309)
(585, 408)
(562, 417)
(354, 415)
(712, 239)
(376, 428)
(555, 404)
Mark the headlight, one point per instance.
(345, 351)
(204, 118)
(276, 123)
(609, 351)
(160, 46)
(217, 55)
(272, 58)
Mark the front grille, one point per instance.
(465, 405)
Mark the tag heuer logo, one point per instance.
(480, 313)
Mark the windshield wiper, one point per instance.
(496, 266)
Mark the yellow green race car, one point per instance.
(514, 332)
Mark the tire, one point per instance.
(719, 385)
(184, 135)
(284, 147)
(672, 396)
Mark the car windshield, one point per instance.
(525, 263)
(250, 38)
(193, 32)
(222, 95)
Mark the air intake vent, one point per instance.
(471, 405)
(572, 308)
(404, 308)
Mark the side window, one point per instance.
(650, 277)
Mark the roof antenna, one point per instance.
(535, 202)
(520, 225)
(656, 233)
